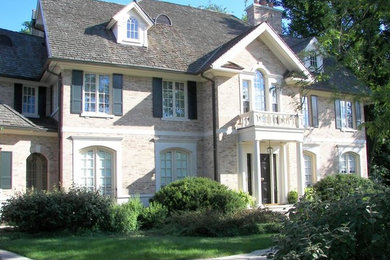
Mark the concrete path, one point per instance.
(6, 255)
(255, 255)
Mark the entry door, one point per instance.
(266, 178)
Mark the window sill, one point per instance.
(175, 119)
(96, 115)
(350, 130)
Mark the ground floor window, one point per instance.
(36, 172)
(97, 170)
(308, 159)
(174, 166)
(348, 163)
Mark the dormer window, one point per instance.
(132, 29)
(313, 61)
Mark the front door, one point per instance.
(266, 178)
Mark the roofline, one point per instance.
(127, 8)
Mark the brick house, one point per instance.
(126, 99)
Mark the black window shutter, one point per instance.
(157, 97)
(18, 97)
(314, 110)
(76, 92)
(117, 96)
(5, 170)
(42, 102)
(192, 101)
(338, 113)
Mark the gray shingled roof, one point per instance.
(25, 58)
(76, 31)
(296, 44)
(9, 118)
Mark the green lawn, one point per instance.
(105, 246)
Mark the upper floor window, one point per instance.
(259, 89)
(245, 96)
(97, 170)
(30, 101)
(348, 114)
(348, 163)
(310, 111)
(313, 61)
(97, 93)
(174, 105)
(132, 29)
(274, 99)
(174, 165)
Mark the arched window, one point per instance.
(97, 170)
(309, 160)
(174, 165)
(259, 87)
(132, 28)
(348, 163)
(36, 172)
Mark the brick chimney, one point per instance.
(263, 11)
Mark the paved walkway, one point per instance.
(6, 255)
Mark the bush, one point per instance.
(217, 224)
(355, 227)
(124, 217)
(194, 193)
(292, 197)
(39, 211)
(153, 216)
(249, 200)
(334, 187)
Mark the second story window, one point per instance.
(132, 29)
(96, 93)
(259, 89)
(310, 111)
(274, 99)
(174, 105)
(245, 96)
(313, 61)
(30, 101)
(348, 114)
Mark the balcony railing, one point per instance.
(271, 119)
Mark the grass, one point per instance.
(111, 246)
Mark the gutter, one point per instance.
(214, 118)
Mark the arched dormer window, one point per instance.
(132, 28)
(259, 87)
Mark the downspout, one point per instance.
(214, 118)
(60, 102)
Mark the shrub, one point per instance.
(355, 227)
(194, 193)
(153, 216)
(75, 210)
(217, 224)
(124, 216)
(249, 200)
(292, 197)
(334, 187)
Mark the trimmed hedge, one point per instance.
(196, 193)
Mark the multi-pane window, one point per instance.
(305, 111)
(97, 170)
(308, 170)
(174, 99)
(259, 89)
(348, 162)
(310, 111)
(348, 114)
(132, 28)
(96, 93)
(30, 101)
(174, 166)
(274, 99)
(313, 61)
(245, 96)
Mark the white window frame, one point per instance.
(175, 117)
(265, 85)
(248, 99)
(313, 62)
(189, 146)
(274, 89)
(174, 173)
(97, 81)
(136, 30)
(345, 157)
(312, 158)
(36, 95)
(345, 126)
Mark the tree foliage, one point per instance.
(214, 7)
(26, 27)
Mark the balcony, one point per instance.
(271, 120)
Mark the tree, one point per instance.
(214, 7)
(357, 33)
(27, 25)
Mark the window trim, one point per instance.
(340, 104)
(36, 91)
(10, 169)
(312, 157)
(97, 113)
(343, 156)
(175, 118)
(129, 31)
(173, 163)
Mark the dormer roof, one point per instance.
(123, 13)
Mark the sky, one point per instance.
(14, 12)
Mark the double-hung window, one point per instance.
(30, 101)
(174, 96)
(348, 163)
(348, 114)
(310, 111)
(97, 92)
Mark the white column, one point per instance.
(300, 170)
(283, 152)
(257, 173)
(272, 177)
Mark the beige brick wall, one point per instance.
(21, 147)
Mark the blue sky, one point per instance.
(14, 12)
